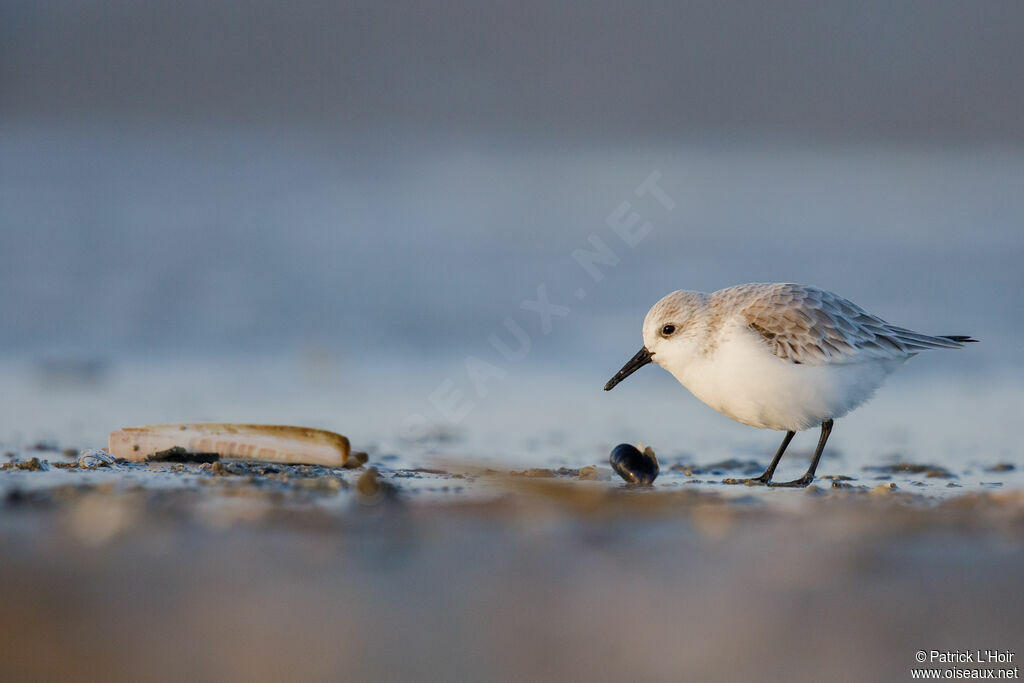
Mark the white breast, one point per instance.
(740, 377)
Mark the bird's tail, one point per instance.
(915, 341)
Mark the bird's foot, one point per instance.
(800, 483)
(753, 481)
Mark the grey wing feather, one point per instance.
(806, 325)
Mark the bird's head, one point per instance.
(670, 336)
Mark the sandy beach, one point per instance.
(263, 572)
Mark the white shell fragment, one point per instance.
(266, 443)
(91, 458)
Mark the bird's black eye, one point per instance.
(668, 330)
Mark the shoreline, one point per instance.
(260, 573)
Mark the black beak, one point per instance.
(642, 358)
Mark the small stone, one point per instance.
(368, 483)
(218, 469)
(355, 460)
(372, 489)
(537, 473)
(30, 465)
(594, 473)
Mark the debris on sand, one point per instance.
(1001, 467)
(91, 458)
(218, 469)
(267, 443)
(372, 489)
(356, 460)
(594, 473)
(368, 483)
(934, 471)
(33, 464)
(536, 472)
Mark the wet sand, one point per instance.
(230, 571)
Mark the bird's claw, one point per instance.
(800, 483)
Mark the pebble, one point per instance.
(594, 473)
(372, 488)
(537, 473)
(355, 460)
(32, 464)
(883, 489)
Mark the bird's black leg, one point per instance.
(826, 429)
(767, 475)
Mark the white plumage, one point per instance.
(780, 356)
(776, 356)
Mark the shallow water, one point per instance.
(549, 418)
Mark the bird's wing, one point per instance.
(806, 325)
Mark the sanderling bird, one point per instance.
(777, 356)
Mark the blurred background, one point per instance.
(315, 212)
(325, 214)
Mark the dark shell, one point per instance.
(633, 466)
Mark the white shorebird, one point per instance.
(777, 356)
